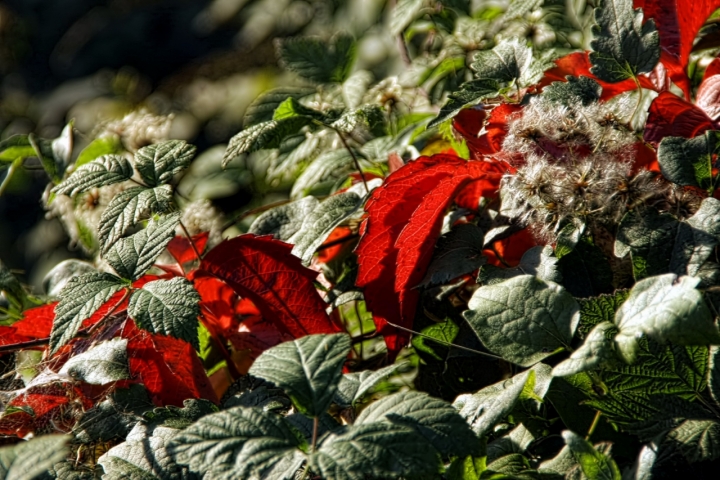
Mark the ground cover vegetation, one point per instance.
(502, 264)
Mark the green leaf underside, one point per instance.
(81, 297)
(284, 221)
(308, 369)
(129, 207)
(623, 46)
(158, 163)
(523, 319)
(321, 222)
(240, 440)
(169, 307)
(434, 419)
(106, 170)
(595, 465)
(132, 256)
(104, 363)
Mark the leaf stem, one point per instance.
(192, 244)
(352, 154)
(593, 425)
(637, 106)
(6, 181)
(316, 423)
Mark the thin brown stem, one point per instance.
(192, 244)
(316, 423)
(352, 154)
(338, 241)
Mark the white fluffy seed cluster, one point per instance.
(573, 162)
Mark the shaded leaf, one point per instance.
(102, 171)
(323, 172)
(175, 417)
(670, 115)
(537, 261)
(689, 162)
(30, 460)
(263, 135)
(596, 310)
(353, 386)
(308, 369)
(524, 319)
(284, 221)
(81, 297)
(169, 307)
(597, 349)
(158, 163)
(576, 90)
(516, 441)
(509, 60)
(697, 440)
(457, 253)
(317, 60)
(648, 238)
(263, 107)
(595, 465)
(104, 363)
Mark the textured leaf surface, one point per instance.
(381, 450)
(575, 90)
(30, 460)
(129, 207)
(622, 45)
(597, 349)
(667, 309)
(697, 440)
(595, 465)
(263, 107)
(103, 363)
(509, 60)
(434, 419)
(242, 440)
(324, 171)
(688, 162)
(649, 239)
(470, 93)
(317, 60)
(81, 297)
(524, 319)
(537, 261)
(264, 270)
(263, 135)
(105, 170)
(159, 162)
(308, 369)
(457, 253)
(169, 307)
(353, 386)
(670, 115)
(132, 256)
(284, 221)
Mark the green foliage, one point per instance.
(158, 163)
(689, 161)
(575, 90)
(105, 170)
(104, 363)
(30, 460)
(595, 465)
(317, 60)
(457, 253)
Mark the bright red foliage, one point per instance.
(182, 251)
(670, 115)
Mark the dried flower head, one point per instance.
(139, 128)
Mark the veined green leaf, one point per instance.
(524, 319)
(325, 170)
(284, 221)
(688, 161)
(170, 307)
(666, 309)
(517, 441)
(457, 252)
(30, 460)
(576, 90)
(104, 363)
(432, 418)
(353, 386)
(243, 441)
(99, 147)
(264, 106)
(81, 297)
(317, 60)
(132, 256)
(308, 369)
(267, 134)
(623, 46)
(158, 163)
(403, 14)
(697, 440)
(508, 61)
(649, 239)
(598, 349)
(596, 310)
(378, 450)
(595, 465)
(537, 261)
(102, 171)
(470, 93)
(129, 207)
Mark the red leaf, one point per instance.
(678, 22)
(712, 69)
(217, 302)
(671, 115)
(50, 410)
(470, 122)
(510, 249)
(263, 270)
(37, 322)
(169, 368)
(182, 251)
(577, 64)
(326, 255)
(403, 224)
(254, 336)
(645, 158)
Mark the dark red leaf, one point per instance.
(470, 122)
(254, 336)
(678, 22)
(577, 64)
(263, 269)
(645, 158)
(670, 115)
(326, 255)
(182, 251)
(169, 368)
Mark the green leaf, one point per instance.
(517, 441)
(568, 237)
(145, 449)
(595, 465)
(714, 379)
(445, 332)
(597, 350)
(375, 450)
(308, 369)
(518, 8)
(648, 238)
(132, 256)
(403, 14)
(114, 417)
(321, 222)
(243, 441)
(688, 161)
(100, 146)
(169, 307)
(353, 386)
(523, 319)
(263, 135)
(248, 391)
(484, 409)
(436, 420)
(263, 107)
(470, 93)
(537, 261)
(586, 270)
(175, 417)
(292, 108)
(355, 88)
(14, 148)
(697, 440)
(102, 171)
(468, 468)
(508, 61)
(623, 46)
(284, 221)
(317, 60)
(666, 309)
(158, 163)
(14, 291)
(115, 468)
(323, 172)
(81, 297)
(129, 207)
(576, 90)
(30, 460)
(104, 363)
(457, 252)
(596, 310)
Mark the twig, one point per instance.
(352, 154)
(192, 244)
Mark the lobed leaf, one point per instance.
(158, 163)
(106, 170)
(317, 60)
(284, 221)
